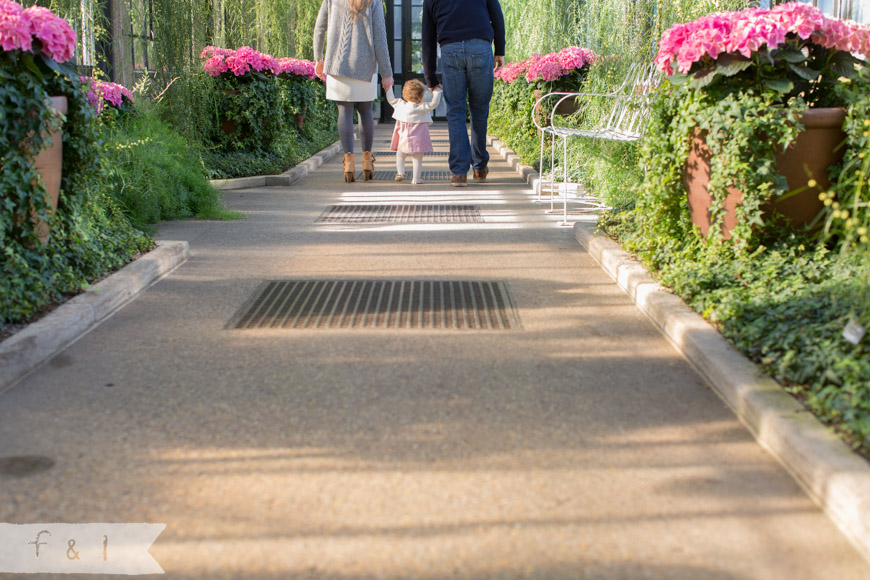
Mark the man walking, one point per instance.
(466, 31)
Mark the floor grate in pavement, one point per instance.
(426, 176)
(382, 304)
(405, 214)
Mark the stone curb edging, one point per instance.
(290, 176)
(529, 174)
(33, 345)
(835, 477)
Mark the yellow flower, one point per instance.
(811, 183)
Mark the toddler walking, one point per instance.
(411, 134)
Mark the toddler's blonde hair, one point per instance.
(413, 91)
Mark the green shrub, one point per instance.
(510, 119)
(263, 109)
(152, 172)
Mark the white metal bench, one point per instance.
(617, 116)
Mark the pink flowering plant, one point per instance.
(245, 61)
(36, 48)
(258, 95)
(792, 49)
(563, 71)
(35, 39)
(103, 94)
(513, 71)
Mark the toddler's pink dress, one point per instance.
(411, 138)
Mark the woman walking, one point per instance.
(355, 37)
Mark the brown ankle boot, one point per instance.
(349, 168)
(368, 166)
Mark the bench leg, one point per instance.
(565, 183)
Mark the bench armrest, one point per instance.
(558, 97)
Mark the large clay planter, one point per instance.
(566, 107)
(229, 126)
(49, 164)
(815, 149)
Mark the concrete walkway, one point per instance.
(579, 446)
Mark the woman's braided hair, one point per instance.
(358, 6)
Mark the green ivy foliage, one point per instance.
(782, 296)
(743, 132)
(89, 234)
(254, 130)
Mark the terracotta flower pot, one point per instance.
(566, 107)
(49, 164)
(815, 149)
(230, 126)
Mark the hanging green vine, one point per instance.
(89, 235)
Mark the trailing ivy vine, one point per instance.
(89, 235)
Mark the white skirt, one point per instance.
(351, 90)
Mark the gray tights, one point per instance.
(345, 124)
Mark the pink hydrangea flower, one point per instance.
(215, 66)
(514, 70)
(14, 27)
(238, 65)
(101, 93)
(210, 52)
(19, 26)
(575, 57)
(558, 64)
(294, 66)
(747, 31)
(251, 57)
(56, 35)
(217, 61)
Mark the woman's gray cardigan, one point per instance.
(354, 48)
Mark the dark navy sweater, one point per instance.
(446, 21)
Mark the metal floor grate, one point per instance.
(385, 304)
(405, 214)
(429, 176)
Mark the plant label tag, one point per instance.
(854, 332)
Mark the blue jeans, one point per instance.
(466, 73)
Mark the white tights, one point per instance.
(416, 161)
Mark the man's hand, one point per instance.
(498, 62)
(318, 70)
(387, 82)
